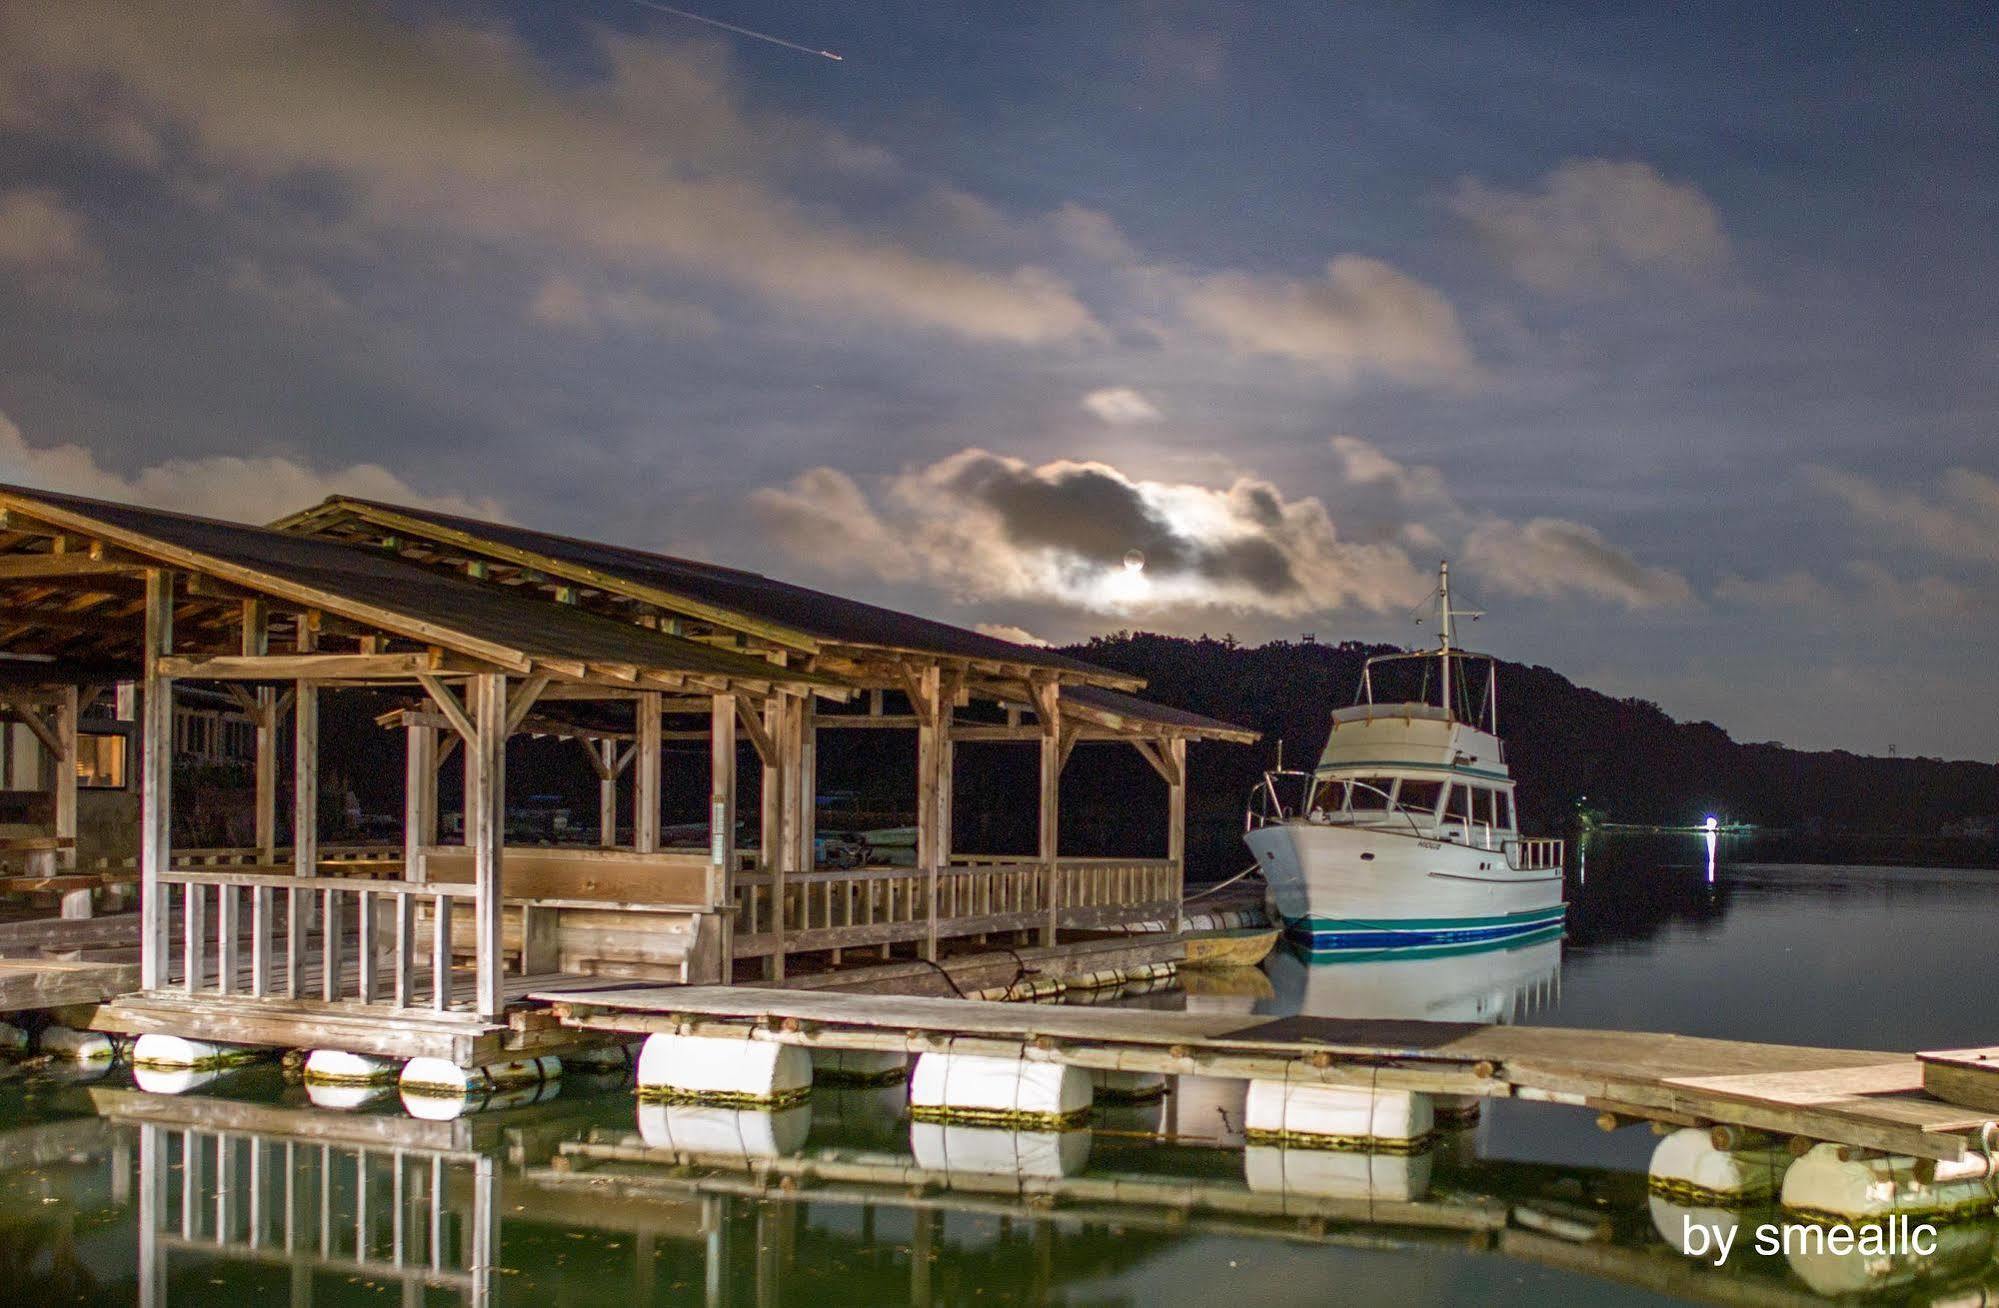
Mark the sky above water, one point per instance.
(1671, 328)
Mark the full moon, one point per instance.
(1134, 561)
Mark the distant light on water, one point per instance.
(1712, 824)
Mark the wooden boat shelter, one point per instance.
(483, 632)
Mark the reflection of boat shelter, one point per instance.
(481, 633)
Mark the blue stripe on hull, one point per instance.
(1338, 936)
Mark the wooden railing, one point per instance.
(1535, 854)
(364, 945)
(976, 895)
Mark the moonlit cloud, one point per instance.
(37, 228)
(1960, 522)
(1362, 318)
(1090, 538)
(658, 165)
(1121, 406)
(563, 302)
(254, 489)
(1592, 223)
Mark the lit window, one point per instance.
(100, 761)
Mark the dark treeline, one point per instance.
(1565, 743)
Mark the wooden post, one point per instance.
(931, 714)
(1047, 708)
(808, 785)
(486, 757)
(1176, 820)
(722, 824)
(645, 801)
(419, 833)
(774, 850)
(257, 644)
(607, 793)
(156, 748)
(75, 903)
(305, 831)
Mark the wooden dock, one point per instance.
(1860, 1098)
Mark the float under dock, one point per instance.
(1859, 1098)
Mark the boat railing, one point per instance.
(1535, 853)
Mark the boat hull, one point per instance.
(1345, 891)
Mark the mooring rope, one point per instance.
(1221, 885)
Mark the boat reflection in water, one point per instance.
(1491, 984)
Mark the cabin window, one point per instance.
(1459, 807)
(1419, 796)
(1502, 810)
(1481, 805)
(1330, 797)
(1373, 792)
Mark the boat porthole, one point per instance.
(1367, 858)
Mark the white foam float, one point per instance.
(346, 1096)
(714, 1131)
(77, 1046)
(1279, 1112)
(1876, 1189)
(1686, 1167)
(1673, 1219)
(1013, 1092)
(443, 1078)
(723, 1070)
(1209, 1108)
(430, 1106)
(333, 1067)
(1337, 1173)
(157, 1049)
(1960, 1248)
(172, 1080)
(998, 1151)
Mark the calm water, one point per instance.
(241, 1192)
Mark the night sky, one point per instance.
(1673, 327)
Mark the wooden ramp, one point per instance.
(1862, 1098)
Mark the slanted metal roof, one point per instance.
(1117, 709)
(798, 610)
(399, 597)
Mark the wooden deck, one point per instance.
(1862, 1098)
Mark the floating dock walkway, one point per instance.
(1865, 1101)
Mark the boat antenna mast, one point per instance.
(1445, 622)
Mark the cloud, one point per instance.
(1548, 557)
(1961, 522)
(1121, 406)
(296, 293)
(1362, 317)
(655, 164)
(219, 486)
(1871, 594)
(823, 517)
(1007, 631)
(562, 302)
(1088, 538)
(38, 229)
(1593, 223)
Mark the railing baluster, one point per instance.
(365, 947)
(260, 941)
(405, 985)
(193, 935)
(226, 929)
(440, 952)
(329, 945)
(294, 943)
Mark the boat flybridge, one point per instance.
(1405, 836)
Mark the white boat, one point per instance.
(1404, 836)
